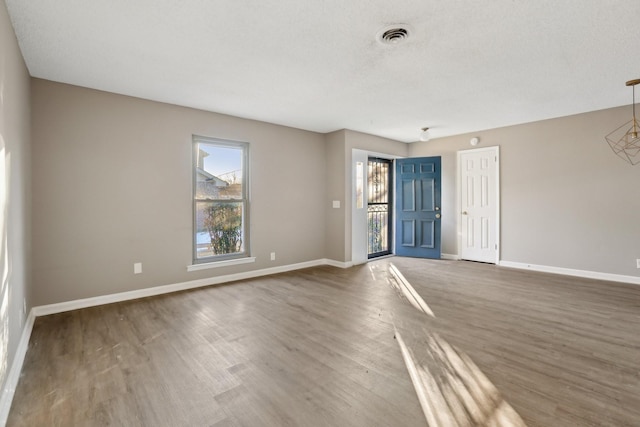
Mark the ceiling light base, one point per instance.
(424, 134)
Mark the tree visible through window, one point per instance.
(220, 199)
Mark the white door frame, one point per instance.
(359, 228)
(496, 151)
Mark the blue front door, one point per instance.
(418, 207)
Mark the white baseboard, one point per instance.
(44, 310)
(572, 272)
(16, 368)
(338, 264)
(451, 257)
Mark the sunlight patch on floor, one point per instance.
(451, 389)
(408, 291)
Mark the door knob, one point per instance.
(465, 213)
(438, 215)
(437, 208)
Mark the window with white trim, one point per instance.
(220, 200)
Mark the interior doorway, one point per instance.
(479, 190)
(379, 207)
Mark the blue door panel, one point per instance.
(408, 168)
(427, 168)
(428, 195)
(408, 195)
(428, 234)
(408, 233)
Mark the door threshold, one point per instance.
(381, 257)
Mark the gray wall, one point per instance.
(566, 200)
(14, 192)
(112, 186)
(336, 179)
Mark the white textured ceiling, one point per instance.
(468, 64)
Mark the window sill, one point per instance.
(217, 264)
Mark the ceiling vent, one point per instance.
(393, 34)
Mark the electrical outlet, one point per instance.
(137, 268)
(273, 256)
(638, 263)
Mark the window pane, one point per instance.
(378, 220)
(218, 172)
(219, 228)
(378, 182)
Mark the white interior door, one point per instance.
(479, 204)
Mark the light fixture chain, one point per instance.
(635, 130)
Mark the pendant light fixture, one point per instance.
(624, 140)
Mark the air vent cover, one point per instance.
(393, 34)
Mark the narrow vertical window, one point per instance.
(359, 185)
(220, 199)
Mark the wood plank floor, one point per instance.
(327, 347)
